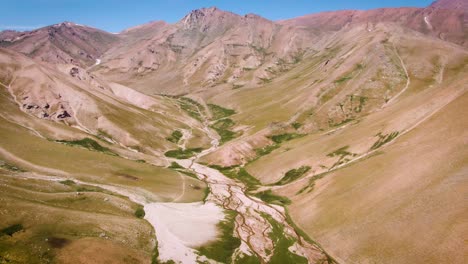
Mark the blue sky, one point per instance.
(116, 15)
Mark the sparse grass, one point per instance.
(183, 153)
(343, 151)
(219, 112)
(342, 154)
(89, 144)
(293, 175)
(342, 79)
(269, 197)
(265, 80)
(222, 249)
(384, 139)
(191, 107)
(175, 137)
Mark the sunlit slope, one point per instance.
(23, 148)
(52, 221)
(405, 205)
(383, 186)
(54, 148)
(110, 111)
(357, 73)
(437, 75)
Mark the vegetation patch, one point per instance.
(89, 144)
(175, 137)
(342, 154)
(285, 137)
(192, 108)
(269, 197)
(67, 182)
(296, 125)
(183, 153)
(281, 253)
(241, 174)
(175, 165)
(384, 139)
(246, 259)
(266, 150)
(224, 247)
(332, 123)
(293, 175)
(342, 79)
(11, 230)
(222, 127)
(310, 186)
(304, 235)
(219, 112)
(10, 167)
(58, 242)
(140, 212)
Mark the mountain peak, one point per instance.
(201, 16)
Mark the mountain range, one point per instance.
(335, 137)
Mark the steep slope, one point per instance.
(61, 43)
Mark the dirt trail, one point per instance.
(408, 81)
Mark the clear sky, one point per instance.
(116, 15)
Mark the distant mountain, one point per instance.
(61, 43)
(451, 4)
